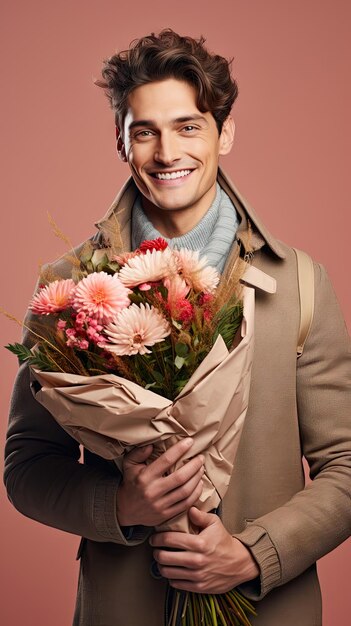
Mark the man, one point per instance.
(172, 102)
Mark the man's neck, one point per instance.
(177, 222)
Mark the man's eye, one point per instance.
(189, 128)
(143, 133)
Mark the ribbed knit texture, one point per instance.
(212, 236)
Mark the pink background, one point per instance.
(290, 160)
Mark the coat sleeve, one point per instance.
(45, 479)
(286, 541)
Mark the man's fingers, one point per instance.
(201, 518)
(181, 541)
(183, 474)
(167, 460)
(179, 559)
(185, 491)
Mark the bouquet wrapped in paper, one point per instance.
(109, 414)
(147, 347)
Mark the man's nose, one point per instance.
(167, 149)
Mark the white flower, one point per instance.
(135, 328)
(152, 266)
(195, 271)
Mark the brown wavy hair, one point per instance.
(168, 55)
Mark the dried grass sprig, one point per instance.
(59, 233)
(77, 370)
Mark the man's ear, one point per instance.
(120, 146)
(226, 137)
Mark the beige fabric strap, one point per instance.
(305, 274)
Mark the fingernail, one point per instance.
(189, 441)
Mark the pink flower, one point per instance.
(176, 287)
(196, 273)
(83, 344)
(177, 292)
(56, 296)
(101, 295)
(134, 329)
(149, 267)
(61, 324)
(80, 318)
(70, 332)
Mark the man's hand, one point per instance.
(211, 562)
(149, 495)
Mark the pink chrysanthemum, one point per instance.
(101, 296)
(195, 271)
(56, 296)
(152, 266)
(134, 329)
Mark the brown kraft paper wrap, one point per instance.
(108, 414)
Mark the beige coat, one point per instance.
(296, 408)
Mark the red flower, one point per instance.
(205, 298)
(153, 244)
(186, 311)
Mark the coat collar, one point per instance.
(121, 207)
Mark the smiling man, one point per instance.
(172, 102)
(173, 153)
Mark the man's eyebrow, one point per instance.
(190, 118)
(177, 120)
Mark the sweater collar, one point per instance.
(123, 203)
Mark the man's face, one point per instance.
(173, 148)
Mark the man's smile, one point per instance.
(171, 177)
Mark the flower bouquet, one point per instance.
(149, 347)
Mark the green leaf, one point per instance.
(102, 264)
(179, 362)
(158, 376)
(228, 320)
(43, 362)
(22, 352)
(181, 349)
(113, 266)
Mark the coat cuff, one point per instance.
(105, 516)
(257, 540)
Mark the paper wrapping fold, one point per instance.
(109, 414)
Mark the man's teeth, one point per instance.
(169, 176)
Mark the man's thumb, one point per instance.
(201, 518)
(137, 455)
